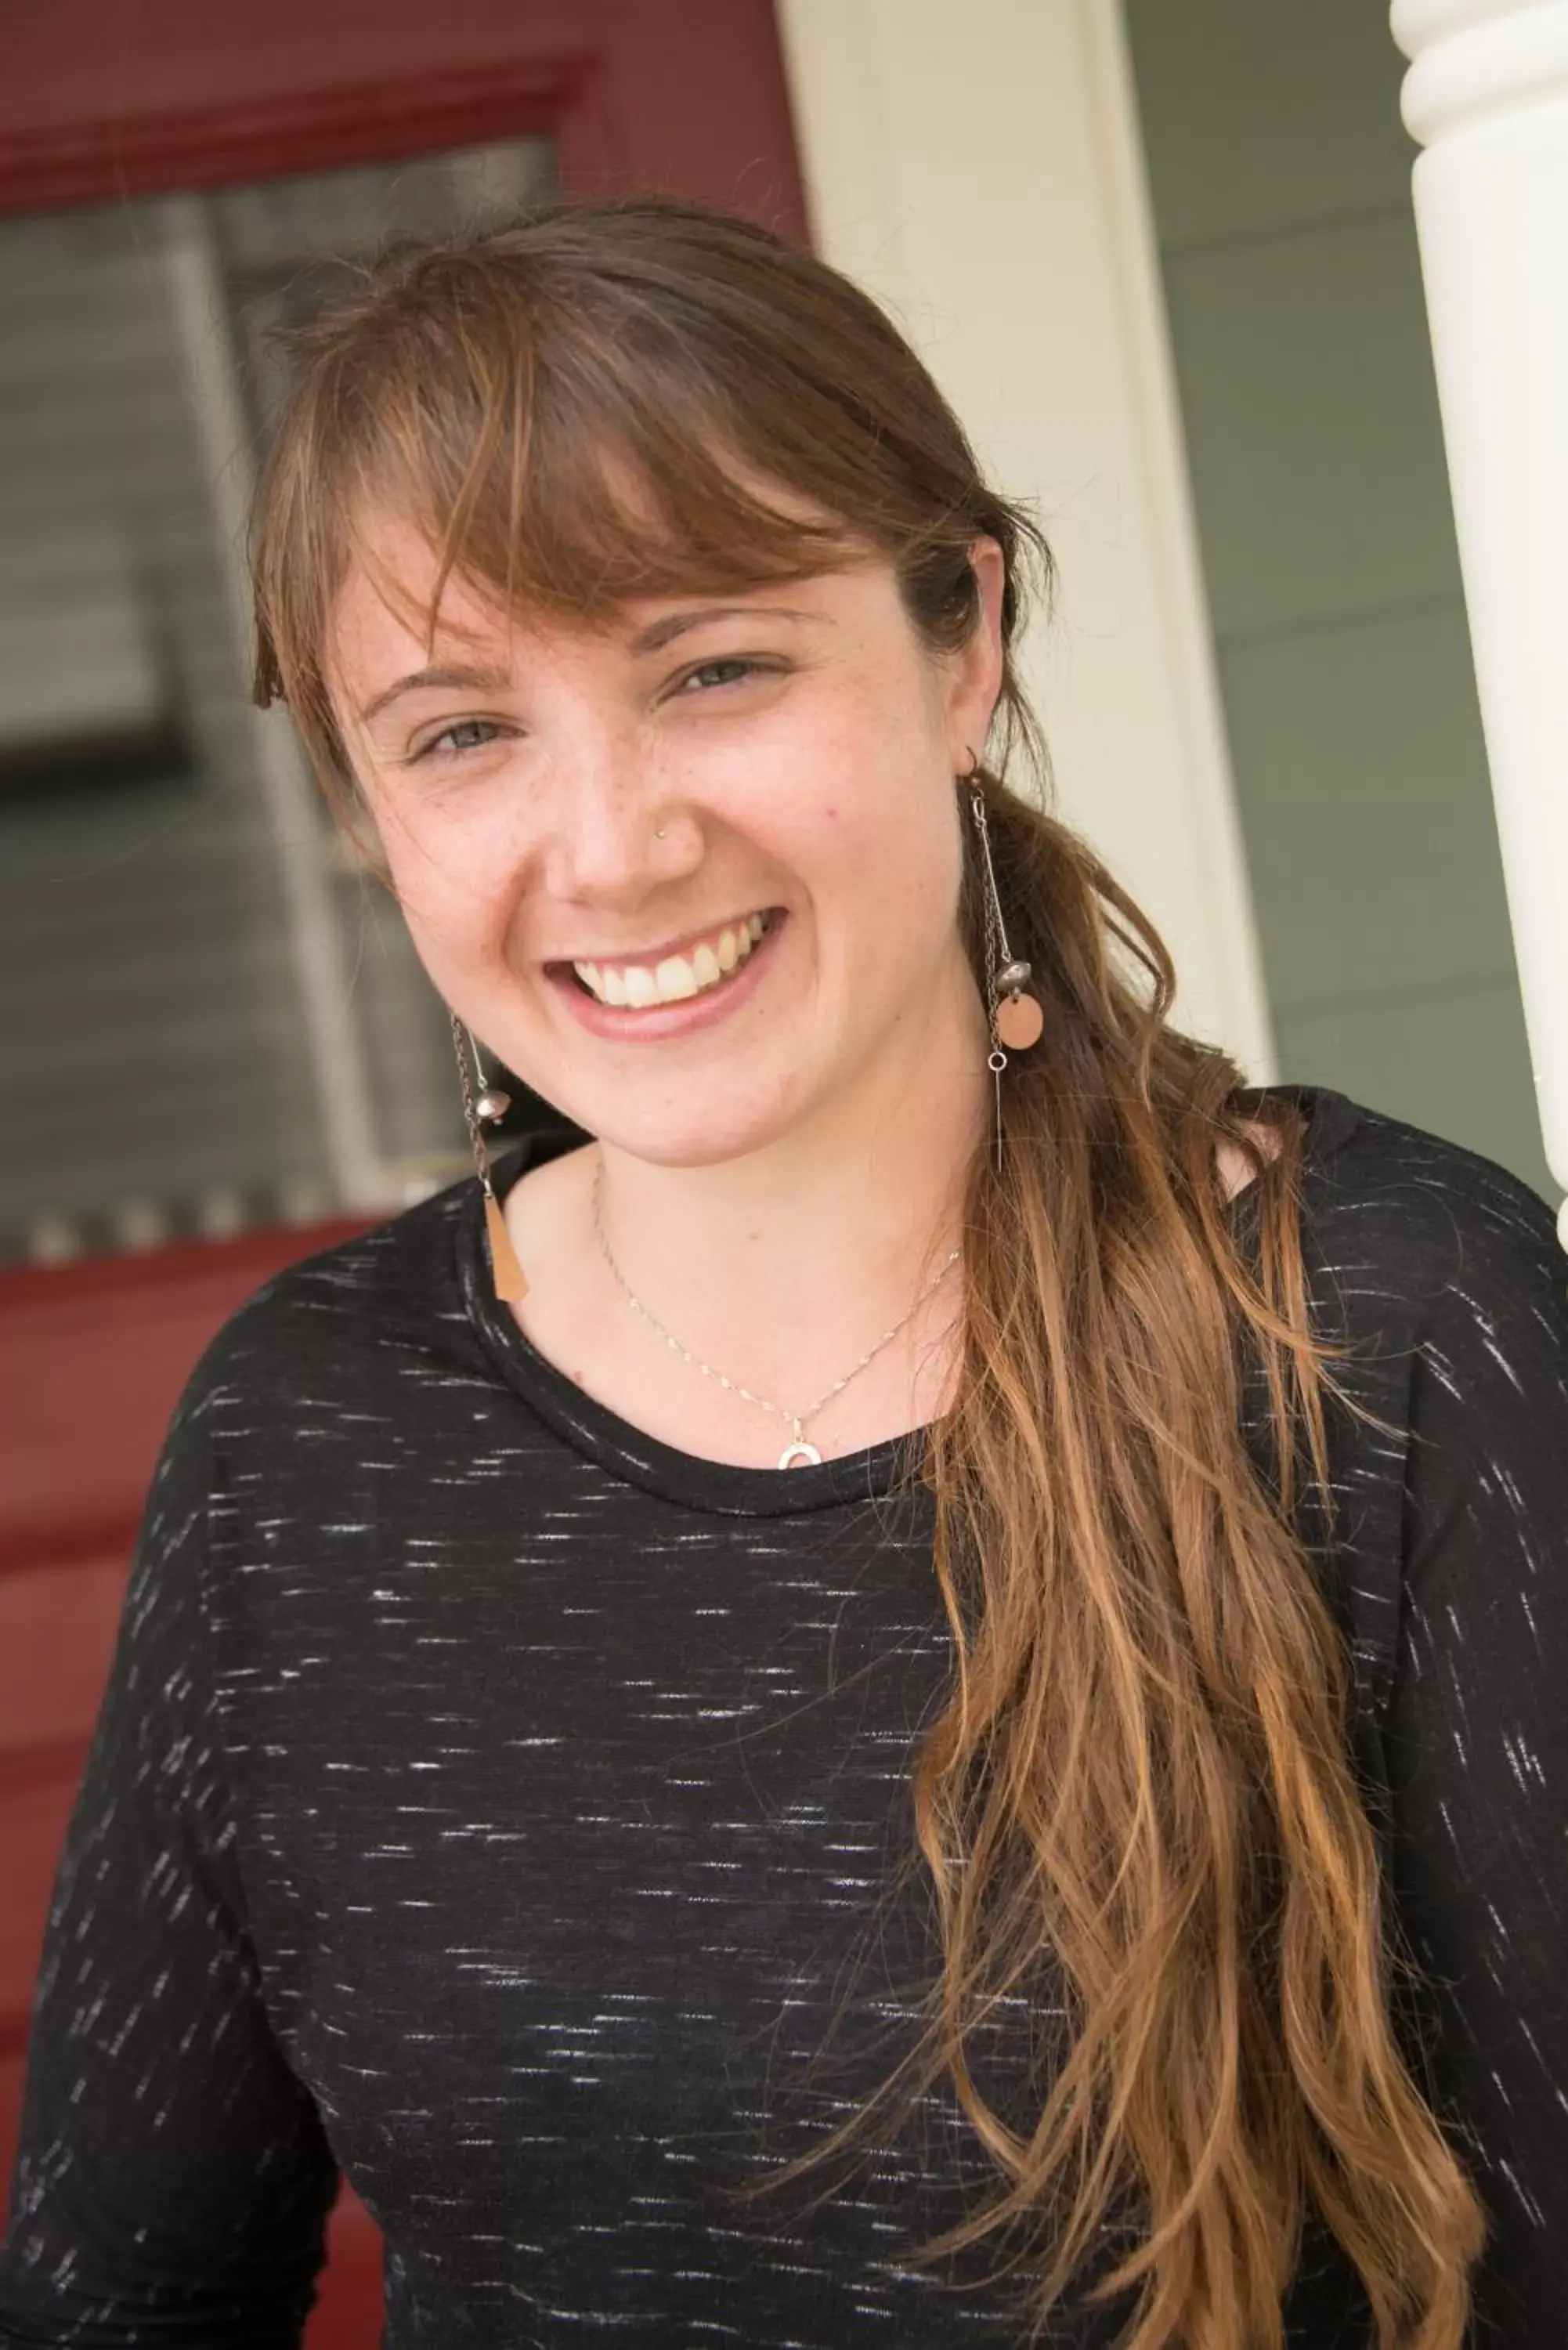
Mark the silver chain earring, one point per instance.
(485, 1104)
(1016, 1019)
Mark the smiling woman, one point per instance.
(1078, 1830)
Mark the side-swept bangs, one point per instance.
(600, 404)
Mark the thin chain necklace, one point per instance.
(797, 1453)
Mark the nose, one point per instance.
(616, 829)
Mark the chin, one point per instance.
(708, 1130)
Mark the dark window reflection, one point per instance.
(171, 1059)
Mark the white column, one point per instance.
(1487, 96)
(979, 168)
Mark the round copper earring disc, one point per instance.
(1019, 1021)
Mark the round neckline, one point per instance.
(628, 1452)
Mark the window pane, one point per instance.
(167, 1063)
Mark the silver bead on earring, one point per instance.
(483, 1105)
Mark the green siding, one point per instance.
(1361, 747)
(1280, 174)
(1311, 424)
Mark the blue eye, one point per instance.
(467, 734)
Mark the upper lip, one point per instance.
(677, 946)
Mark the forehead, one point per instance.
(381, 608)
(379, 618)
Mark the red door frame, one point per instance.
(105, 100)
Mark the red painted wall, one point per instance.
(101, 99)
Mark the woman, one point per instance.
(901, 1687)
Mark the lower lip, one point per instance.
(655, 1021)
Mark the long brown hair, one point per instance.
(1142, 1776)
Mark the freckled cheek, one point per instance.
(876, 809)
(881, 885)
(841, 772)
(457, 895)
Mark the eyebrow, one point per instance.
(459, 674)
(464, 677)
(660, 633)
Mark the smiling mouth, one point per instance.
(707, 963)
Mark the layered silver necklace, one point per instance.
(797, 1453)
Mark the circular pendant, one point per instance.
(800, 1455)
(1019, 1021)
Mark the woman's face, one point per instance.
(693, 875)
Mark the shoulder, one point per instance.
(1434, 1249)
(328, 1328)
(1413, 1229)
(1443, 1272)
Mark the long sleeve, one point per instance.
(1477, 1736)
(173, 2178)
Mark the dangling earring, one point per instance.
(1016, 1019)
(490, 1106)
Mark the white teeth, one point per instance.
(677, 976)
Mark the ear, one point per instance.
(975, 679)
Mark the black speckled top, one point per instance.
(498, 1805)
